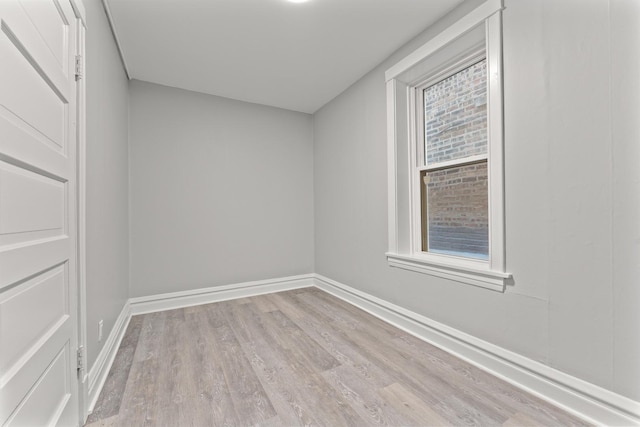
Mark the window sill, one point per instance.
(484, 278)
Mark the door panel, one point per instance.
(27, 144)
(47, 116)
(32, 203)
(50, 395)
(24, 377)
(38, 230)
(47, 291)
(19, 262)
(19, 30)
(51, 23)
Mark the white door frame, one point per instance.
(83, 387)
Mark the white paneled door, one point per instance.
(38, 271)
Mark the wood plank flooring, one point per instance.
(300, 357)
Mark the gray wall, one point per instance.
(107, 180)
(221, 191)
(572, 194)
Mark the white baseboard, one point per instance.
(101, 367)
(170, 301)
(585, 400)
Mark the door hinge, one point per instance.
(79, 67)
(80, 358)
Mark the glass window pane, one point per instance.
(456, 115)
(455, 214)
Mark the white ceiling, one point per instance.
(272, 52)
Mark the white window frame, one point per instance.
(476, 35)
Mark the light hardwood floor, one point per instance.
(300, 357)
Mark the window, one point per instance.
(446, 189)
(452, 172)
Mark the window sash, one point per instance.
(419, 236)
(425, 218)
(417, 93)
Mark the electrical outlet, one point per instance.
(100, 330)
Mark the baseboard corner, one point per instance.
(101, 367)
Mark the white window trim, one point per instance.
(404, 252)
